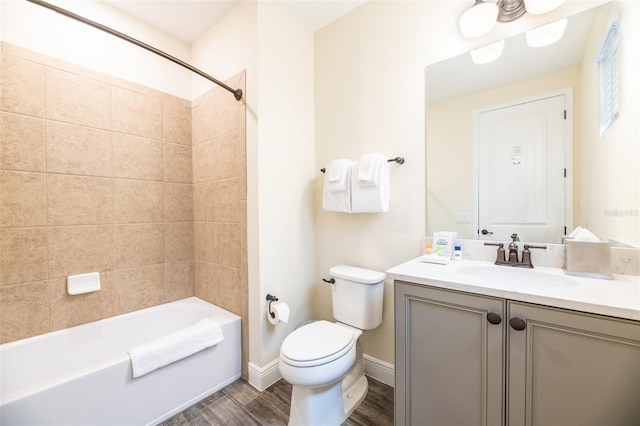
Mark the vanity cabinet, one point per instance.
(467, 359)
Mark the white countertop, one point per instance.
(619, 297)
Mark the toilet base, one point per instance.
(353, 396)
(326, 406)
(330, 405)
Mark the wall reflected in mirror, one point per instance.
(602, 188)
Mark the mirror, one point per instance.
(457, 89)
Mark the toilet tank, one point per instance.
(357, 296)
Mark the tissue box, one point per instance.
(587, 258)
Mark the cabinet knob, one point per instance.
(517, 324)
(494, 318)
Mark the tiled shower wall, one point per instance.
(96, 174)
(220, 202)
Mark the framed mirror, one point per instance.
(460, 166)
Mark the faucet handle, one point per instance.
(500, 255)
(515, 237)
(526, 254)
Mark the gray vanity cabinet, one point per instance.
(449, 357)
(572, 368)
(456, 365)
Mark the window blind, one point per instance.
(608, 62)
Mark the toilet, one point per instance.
(323, 360)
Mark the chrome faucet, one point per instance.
(512, 260)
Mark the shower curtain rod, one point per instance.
(237, 93)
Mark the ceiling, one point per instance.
(187, 20)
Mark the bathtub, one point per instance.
(82, 375)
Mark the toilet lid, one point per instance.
(317, 341)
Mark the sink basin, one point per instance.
(515, 276)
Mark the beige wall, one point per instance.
(95, 175)
(370, 97)
(617, 151)
(450, 136)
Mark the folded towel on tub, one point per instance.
(150, 356)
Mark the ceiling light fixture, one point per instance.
(482, 16)
(489, 53)
(546, 34)
(539, 7)
(478, 20)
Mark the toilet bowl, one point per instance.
(323, 361)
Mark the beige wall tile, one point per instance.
(176, 123)
(79, 200)
(178, 241)
(178, 202)
(230, 289)
(205, 239)
(79, 249)
(21, 86)
(74, 99)
(24, 311)
(179, 279)
(23, 199)
(78, 150)
(227, 194)
(137, 114)
(33, 56)
(23, 255)
(137, 288)
(177, 163)
(206, 283)
(68, 311)
(202, 207)
(138, 201)
(136, 157)
(203, 120)
(227, 245)
(219, 158)
(227, 113)
(21, 143)
(107, 79)
(137, 245)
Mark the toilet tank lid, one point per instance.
(361, 275)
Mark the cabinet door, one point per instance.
(449, 357)
(568, 368)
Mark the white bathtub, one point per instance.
(82, 375)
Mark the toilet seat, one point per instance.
(317, 343)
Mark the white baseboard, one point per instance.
(379, 370)
(263, 377)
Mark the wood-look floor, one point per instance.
(241, 404)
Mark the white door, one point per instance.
(521, 171)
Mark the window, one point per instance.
(608, 62)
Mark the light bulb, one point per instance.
(538, 7)
(479, 19)
(546, 34)
(489, 53)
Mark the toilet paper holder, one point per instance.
(271, 298)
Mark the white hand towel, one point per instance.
(336, 195)
(336, 178)
(367, 198)
(150, 356)
(369, 169)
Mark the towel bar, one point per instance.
(398, 160)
